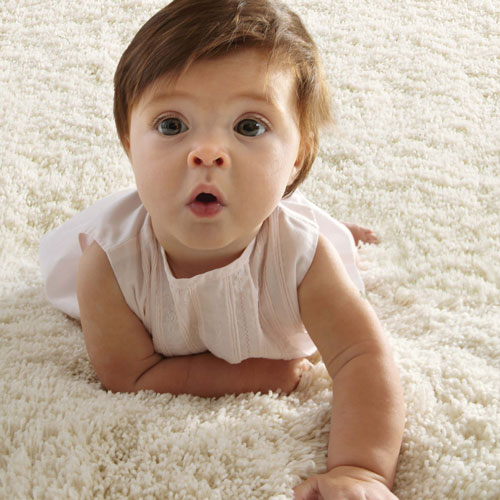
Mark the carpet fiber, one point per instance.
(416, 157)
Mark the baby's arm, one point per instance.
(122, 352)
(368, 409)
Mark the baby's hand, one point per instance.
(344, 483)
(287, 373)
(274, 374)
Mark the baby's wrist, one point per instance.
(251, 375)
(359, 474)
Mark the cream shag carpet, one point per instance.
(416, 157)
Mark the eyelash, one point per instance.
(157, 121)
(256, 119)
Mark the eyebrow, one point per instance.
(267, 98)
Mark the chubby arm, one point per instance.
(368, 409)
(122, 352)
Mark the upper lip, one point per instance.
(208, 189)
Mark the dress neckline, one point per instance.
(214, 274)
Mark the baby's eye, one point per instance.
(250, 127)
(171, 126)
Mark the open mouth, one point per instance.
(206, 204)
(206, 198)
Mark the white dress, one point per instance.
(246, 309)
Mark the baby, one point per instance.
(215, 276)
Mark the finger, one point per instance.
(306, 490)
(372, 238)
(306, 365)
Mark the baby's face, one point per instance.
(214, 151)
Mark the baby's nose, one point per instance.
(208, 157)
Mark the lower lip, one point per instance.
(205, 209)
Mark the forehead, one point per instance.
(242, 73)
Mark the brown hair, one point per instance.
(187, 30)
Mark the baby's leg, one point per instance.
(361, 234)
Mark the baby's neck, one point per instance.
(187, 268)
(186, 262)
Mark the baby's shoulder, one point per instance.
(114, 220)
(292, 226)
(290, 244)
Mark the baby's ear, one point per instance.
(295, 171)
(306, 145)
(297, 166)
(126, 146)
